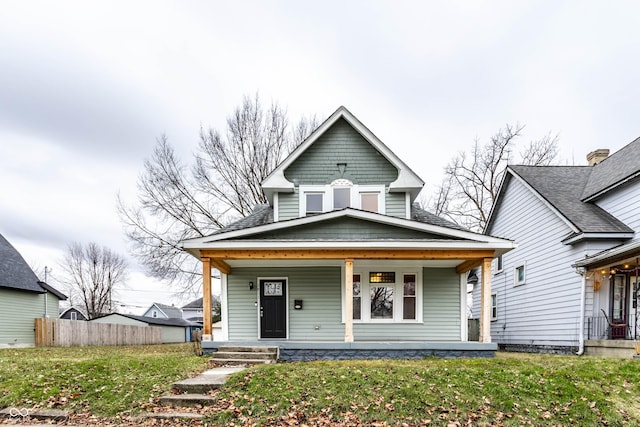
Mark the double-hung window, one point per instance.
(519, 277)
(314, 203)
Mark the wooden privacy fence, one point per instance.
(66, 333)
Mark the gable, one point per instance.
(341, 143)
(406, 181)
(347, 228)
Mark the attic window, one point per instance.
(341, 197)
(314, 203)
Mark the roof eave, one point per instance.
(595, 196)
(576, 238)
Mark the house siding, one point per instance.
(321, 316)
(53, 305)
(18, 309)
(288, 206)
(396, 204)
(623, 204)
(545, 310)
(341, 144)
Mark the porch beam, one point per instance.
(206, 300)
(485, 302)
(406, 254)
(469, 264)
(348, 303)
(221, 265)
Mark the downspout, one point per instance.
(583, 296)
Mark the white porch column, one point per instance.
(348, 303)
(207, 333)
(485, 301)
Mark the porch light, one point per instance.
(250, 286)
(613, 271)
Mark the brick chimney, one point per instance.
(597, 156)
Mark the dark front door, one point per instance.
(273, 308)
(619, 306)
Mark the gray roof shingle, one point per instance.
(263, 215)
(562, 187)
(15, 273)
(171, 311)
(615, 169)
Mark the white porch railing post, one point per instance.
(348, 303)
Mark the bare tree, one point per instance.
(471, 182)
(93, 275)
(176, 202)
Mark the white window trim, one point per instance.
(327, 199)
(398, 296)
(73, 315)
(494, 318)
(516, 282)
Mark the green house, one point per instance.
(23, 298)
(342, 263)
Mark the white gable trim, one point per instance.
(407, 179)
(350, 213)
(512, 173)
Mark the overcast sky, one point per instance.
(87, 87)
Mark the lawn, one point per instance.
(512, 389)
(102, 380)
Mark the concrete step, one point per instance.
(186, 400)
(242, 355)
(242, 362)
(170, 416)
(248, 349)
(206, 381)
(199, 385)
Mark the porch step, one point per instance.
(238, 355)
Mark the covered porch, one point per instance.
(612, 290)
(321, 326)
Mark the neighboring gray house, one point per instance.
(341, 263)
(571, 284)
(174, 330)
(163, 311)
(193, 311)
(72, 313)
(23, 298)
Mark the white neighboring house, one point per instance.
(571, 285)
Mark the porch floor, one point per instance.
(610, 348)
(292, 351)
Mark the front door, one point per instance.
(619, 306)
(273, 308)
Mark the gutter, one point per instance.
(583, 297)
